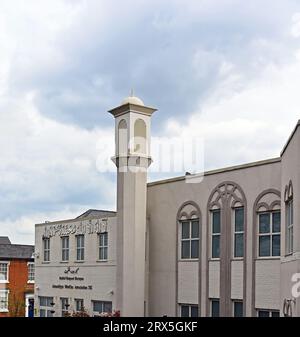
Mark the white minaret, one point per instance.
(132, 158)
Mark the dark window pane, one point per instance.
(107, 307)
(216, 246)
(216, 221)
(215, 308)
(276, 222)
(263, 313)
(195, 249)
(185, 249)
(185, 233)
(239, 219)
(238, 309)
(184, 311)
(194, 311)
(276, 245)
(264, 245)
(239, 245)
(195, 229)
(264, 223)
(275, 314)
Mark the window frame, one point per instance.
(189, 239)
(30, 272)
(80, 249)
(46, 249)
(5, 307)
(64, 301)
(78, 300)
(269, 234)
(7, 271)
(234, 302)
(217, 234)
(103, 303)
(65, 250)
(289, 209)
(217, 300)
(269, 311)
(46, 308)
(235, 233)
(189, 306)
(102, 247)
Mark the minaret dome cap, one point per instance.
(132, 100)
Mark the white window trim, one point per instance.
(190, 239)
(187, 305)
(5, 291)
(8, 265)
(269, 257)
(214, 234)
(64, 249)
(30, 281)
(238, 232)
(289, 249)
(99, 246)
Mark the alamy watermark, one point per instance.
(170, 155)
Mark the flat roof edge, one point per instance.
(222, 170)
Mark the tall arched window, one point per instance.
(140, 140)
(289, 211)
(122, 138)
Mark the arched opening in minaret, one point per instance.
(122, 138)
(140, 142)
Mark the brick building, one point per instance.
(16, 279)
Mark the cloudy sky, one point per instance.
(224, 70)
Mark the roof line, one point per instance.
(222, 170)
(290, 138)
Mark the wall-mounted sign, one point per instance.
(73, 277)
(90, 227)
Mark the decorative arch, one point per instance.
(122, 138)
(140, 136)
(189, 210)
(226, 196)
(268, 200)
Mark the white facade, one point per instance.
(227, 246)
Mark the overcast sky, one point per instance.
(225, 70)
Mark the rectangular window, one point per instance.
(79, 304)
(190, 239)
(46, 306)
(30, 267)
(289, 227)
(216, 233)
(100, 307)
(238, 309)
(46, 248)
(187, 310)
(3, 272)
(103, 246)
(65, 248)
(215, 308)
(64, 301)
(80, 247)
(268, 313)
(269, 234)
(4, 300)
(239, 232)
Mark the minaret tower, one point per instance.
(132, 158)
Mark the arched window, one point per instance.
(140, 140)
(268, 226)
(189, 230)
(289, 211)
(122, 138)
(227, 195)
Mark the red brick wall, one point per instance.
(18, 286)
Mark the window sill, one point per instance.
(4, 310)
(64, 262)
(45, 262)
(102, 261)
(214, 259)
(189, 260)
(80, 261)
(4, 281)
(237, 259)
(259, 258)
(30, 282)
